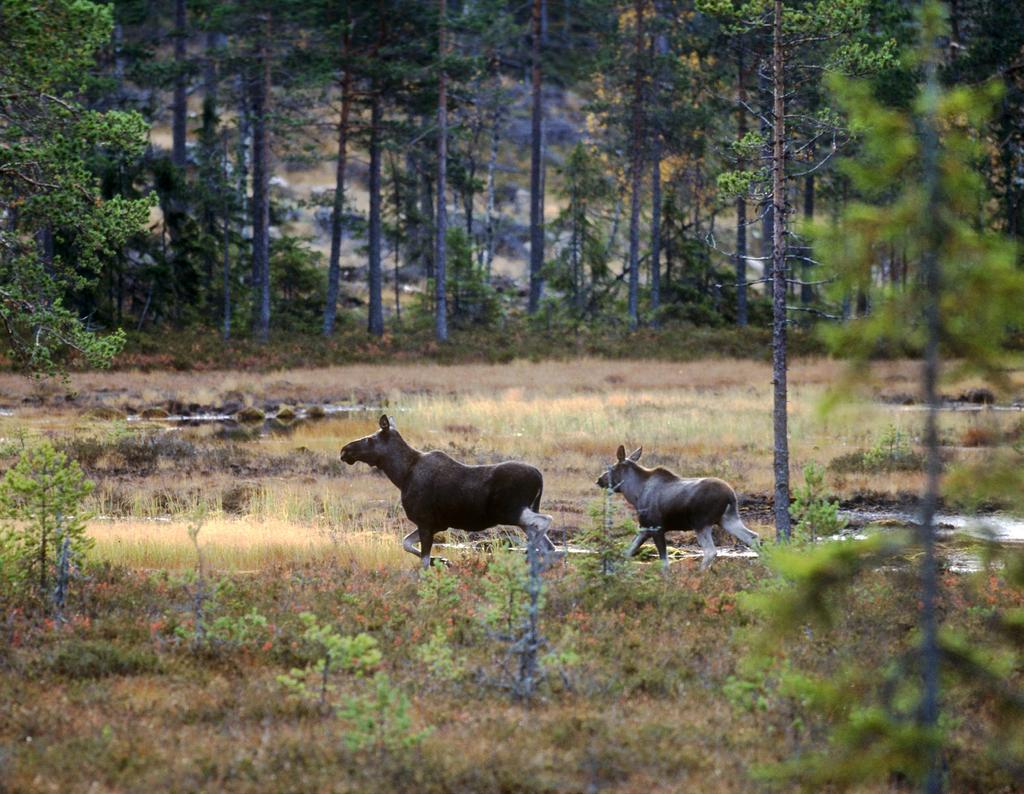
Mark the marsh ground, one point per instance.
(276, 491)
(651, 695)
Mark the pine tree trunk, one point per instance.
(440, 265)
(492, 165)
(575, 248)
(636, 156)
(226, 241)
(536, 156)
(426, 232)
(656, 232)
(767, 223)
(396, 186)
(634, 246)
(260, 204)
(375, 323)
(215, 41)
(779, 363)
(613, 234)
(338, 208)
(210, 174)
(741, 200)
(179, 108)
(931, 272)
(120, 64)
(660, 53)
(806, 290)
(243, 152)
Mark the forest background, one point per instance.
(342, 180)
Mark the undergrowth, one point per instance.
(651, 661)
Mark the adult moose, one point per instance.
(665, 502)
(439, 493)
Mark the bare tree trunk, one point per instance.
(613, 234)
(806, 290)
(215, 41)
(338, 209)
(427, 212)
(441, 299)
(741, 200)
(634, 246)
(767, 223)
(179, 108)
(660, 52)
(536, 156)
(492, 164)
(531, 641)
(779, 363)
(656, 231)
(260, 205)
(929, 712)
(120, 64)
(243, 152)
(576, 248)
(375, 323)
(209, 173)
(636, 181)
(396, 183)
(226, 240)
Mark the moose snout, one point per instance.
(602, 481)
(347, 456)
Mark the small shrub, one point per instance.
(101, 658)
(330, 653)
(87, 450)
(41, 506)
(144, 452)
(979, 436)
(244, 629)
(439, 658)
(441, 613)
(505, 592)
(379, 720)
(815, 515)
(605, 540)
(892, 452)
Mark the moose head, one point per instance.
(619, 470)
(375, 448)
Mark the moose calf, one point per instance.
(665, 502)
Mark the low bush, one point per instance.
(78, 658)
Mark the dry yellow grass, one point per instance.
(701, 418)
(239, 544)
(388, 381)
(537, 379)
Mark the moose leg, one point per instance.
(536, 525)
(732, 524)
(409, 542)
(426, 539)
(638, 541)
(707, 544)
(659, 542)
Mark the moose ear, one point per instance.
(621, 453)
(385, 422)
(635, 454)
